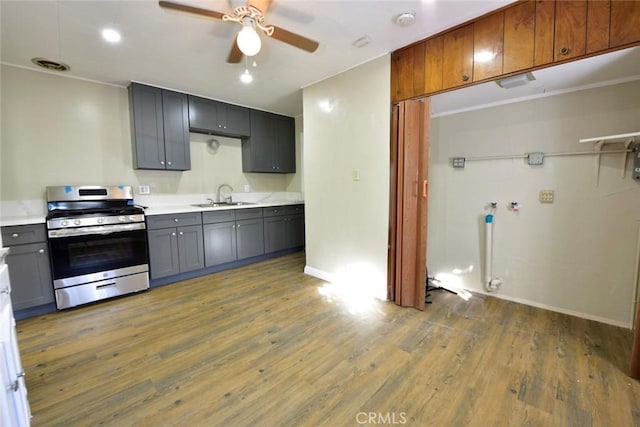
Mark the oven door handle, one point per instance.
(100, 229)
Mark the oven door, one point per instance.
(97, 253)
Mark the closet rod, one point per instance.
(524, 156)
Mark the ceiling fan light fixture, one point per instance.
(249, 41)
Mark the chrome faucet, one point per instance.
(226, 199)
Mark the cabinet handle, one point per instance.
(219, 126)
(465, 77)
(181, 233)
(15, 235)
(173, 234)
(175, 220)
(41, 251)
(564, 51)
(233, 226)
(162, 162)
(169, 163)
(238, 225)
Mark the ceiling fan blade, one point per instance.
(190, 9)
(235, 54)
(294, 39)
(261, 5)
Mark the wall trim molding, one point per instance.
(553, 308)
(319, 274)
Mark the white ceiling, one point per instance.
(188, 53)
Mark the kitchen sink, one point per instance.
(220, 205)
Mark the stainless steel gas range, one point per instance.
(97, 243)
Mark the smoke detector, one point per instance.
(405, 19)
(50, 65)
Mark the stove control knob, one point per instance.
(100, 220)
(64, 223)
(77, 222)
(122, 218)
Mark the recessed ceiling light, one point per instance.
(111, 35)
(246, 77)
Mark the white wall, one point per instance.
(58, 130)
(577, 255)
(347, 220)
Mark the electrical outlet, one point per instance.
(546, 196)
(144, 189)
(247, 188)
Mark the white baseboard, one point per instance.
(320, 274)
(553, 308)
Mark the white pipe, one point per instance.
(491, 283)
(488, 250)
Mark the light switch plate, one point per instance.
(355, 175)
(458, 162)
(546, 196)
(144, 189)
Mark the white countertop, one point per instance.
(159, 210)
(22, 220)
(162, 210)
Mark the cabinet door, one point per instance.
(570, 29)
(285, 155)
(250, 238)
(488, 40)
(258, 150)
(625, 22)
(203, 115)
(236, 120)
(219, 243)
(276, 236)
(543, 44)
(598, 23)
(147, 126)
(433, 61)
(175, 109)
(190, 248)
(402, 72)
(163, 252)
(296, 231)
(30, 276)
(519, 30)
(458, 57)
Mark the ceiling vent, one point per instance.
(50, 65)
(405, 19)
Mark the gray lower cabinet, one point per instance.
(160, 128)
(232, 235)
(271, 146)
(283, 228)
(174, 250)
(250, 238)
(220, 243)
(29, 267)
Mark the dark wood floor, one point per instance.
(262, 346)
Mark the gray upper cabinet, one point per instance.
(271, 147)
(218, 118)
(29, 267)
(160, 128)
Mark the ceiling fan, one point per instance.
(250, 16)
